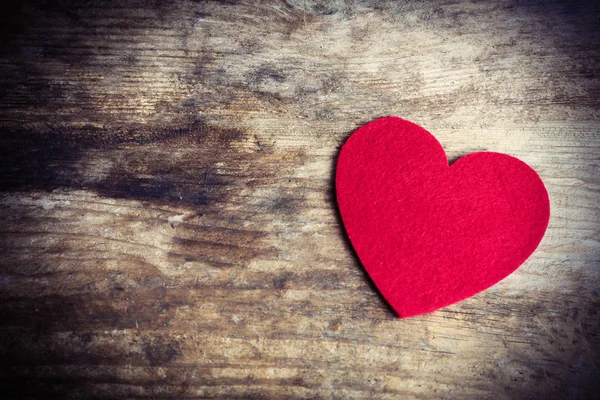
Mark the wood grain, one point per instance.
(169, 223)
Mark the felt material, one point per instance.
(429, 234)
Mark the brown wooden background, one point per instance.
(169, 228)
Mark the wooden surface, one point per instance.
(169, 228)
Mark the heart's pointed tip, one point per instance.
(404, 314)
(408, 310)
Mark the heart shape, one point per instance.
(429, 234)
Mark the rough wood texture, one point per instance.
(169, 228)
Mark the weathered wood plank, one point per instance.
(169, 225)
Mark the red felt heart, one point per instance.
(429, 234)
